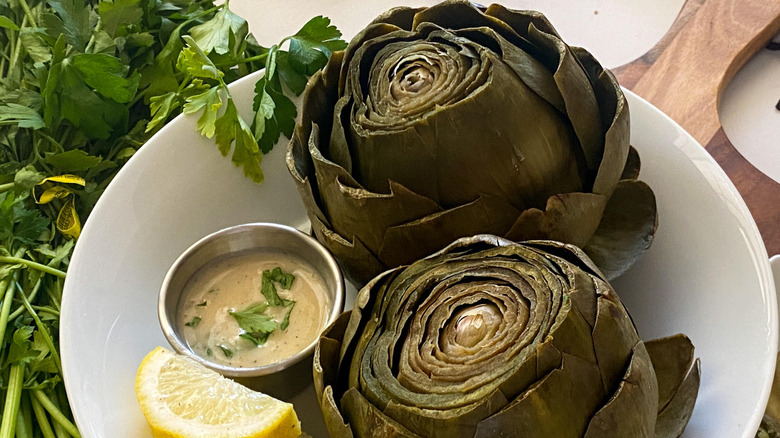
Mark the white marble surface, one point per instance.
(615, 31)
(748, 113)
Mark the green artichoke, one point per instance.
(492, 338)
(449, 121)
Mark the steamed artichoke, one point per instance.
(491, 338)
(449, 121)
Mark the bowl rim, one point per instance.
(176, 342)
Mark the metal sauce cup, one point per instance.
(281, 379)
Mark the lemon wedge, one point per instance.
(181, 398)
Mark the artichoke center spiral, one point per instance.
(472, 325)
(412, 80)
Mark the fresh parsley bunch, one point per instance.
(83, 85)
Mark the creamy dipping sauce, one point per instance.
(231, 286)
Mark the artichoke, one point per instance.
(449, 121)
(493, 338)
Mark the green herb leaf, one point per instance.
(255, 323)
(18, 222)
(226, 351)
(193, 322)
(106, 74)
(274, 114)
(229, 128)
(97, 117)
(59, 255)
(72, 22)
(209, 102)
(311, 47)
(119, 14)
(7, 23)
(22, 116)
(286, 321)
(74, 160)
(294, 80)
(161, 107)
(285, 279)
(36, 43)
(268, 290)
(218, 33)
(21, 351)
(194, 62)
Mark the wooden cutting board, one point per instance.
(685, 74)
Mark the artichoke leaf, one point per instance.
(556, 406)
(678, 373)
(447, 423)
(628, 413)
(568, 217)
(529, 69)
(615, 122)
(626, 229)
(633, 164)
(672, 420)
(672, 358)
(334, 421)
(354, 258)
(399, 207)
(614, 336)
(327, 353)
(367, 421)
(578, 94)
(407, 242)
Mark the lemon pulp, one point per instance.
(183, 399)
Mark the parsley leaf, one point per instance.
(106, 74)
(71, 21)
(73, 161)
(311, 47)
(209, 103)
(118, 15)
(257, 325)
(226, 351)
(21, 115)
(285, 279)
(216, 34)
(193, 61)
(18, 222)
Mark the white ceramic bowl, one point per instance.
(706, 275)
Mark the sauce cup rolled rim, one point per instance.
(269, 237)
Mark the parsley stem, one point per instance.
(43, 421)
(30, 298)
(51, 140)
(6, 187)
(7, 285)
(234, 62)
(28, 13)
(17, 50)
(33, 265)
(55, 413)
(91, 42)
(43, 331)
(24, 417)
(13, 398)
